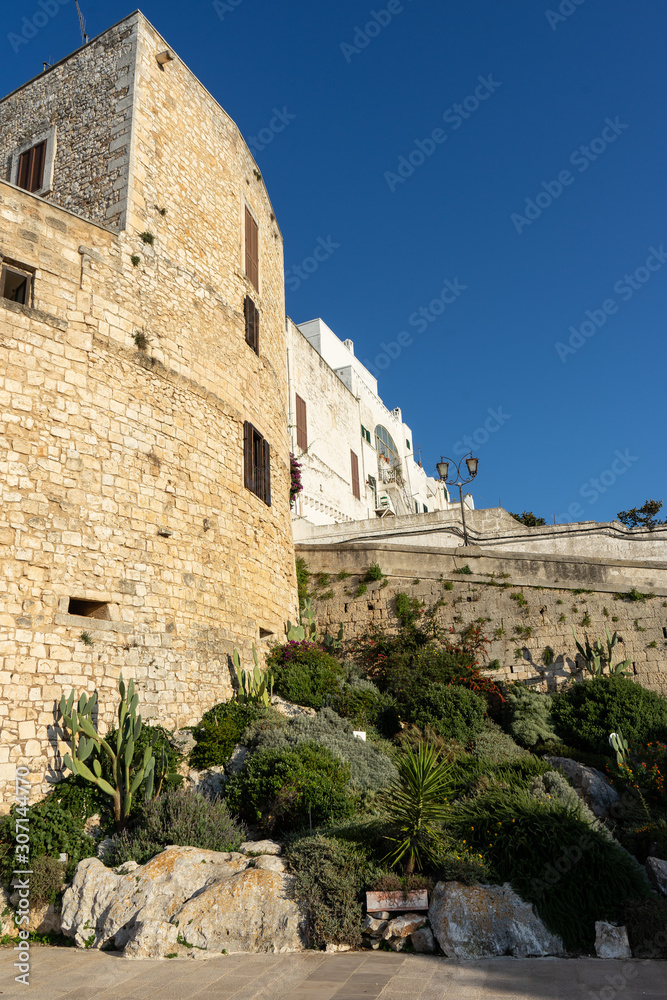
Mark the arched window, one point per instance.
(385, 444)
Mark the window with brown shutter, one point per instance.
(251, 249)
(256, 463)
(355, 475)
(31, 167)
(301, 425)
(251, 313)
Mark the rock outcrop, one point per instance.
(185, 899)
(483, 921)
(590, 784)
(657, 874)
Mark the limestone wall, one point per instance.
(121, 469)
(84, 104)
(521, 618)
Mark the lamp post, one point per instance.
(443, 472)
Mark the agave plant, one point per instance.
(417, 805)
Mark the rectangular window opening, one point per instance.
(354, 462)
(425, 508)
(301, 424)
(251, 249)
(89, 609)
(251, 313)
(16, 284)
(31, 167)
(257, 463)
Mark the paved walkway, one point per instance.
(71, 974)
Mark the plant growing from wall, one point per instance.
(374, 572)
(147, 238)
(596, 658)
(135, 260)
(85, 739)
(296, 486)
(141, 340)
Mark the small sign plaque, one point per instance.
(417, 899)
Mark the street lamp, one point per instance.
(443, 472)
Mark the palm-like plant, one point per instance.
(417, 805)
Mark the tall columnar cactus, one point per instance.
(85, 739)
(254, 687)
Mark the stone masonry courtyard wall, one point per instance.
(520, 629)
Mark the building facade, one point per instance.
(144, 449)
(357, 456)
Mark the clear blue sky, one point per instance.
(360, 101)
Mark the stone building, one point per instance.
(144, 450)
(358, 459)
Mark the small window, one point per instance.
(257, 463)
(354, 461)
(301, 425)
(416, 507)
(425, 509)
(408, 445)
(31, 167)
(365, 434)
(89, 609)
(16, 284)
(251, 313)
(372, 484)
(251, 249)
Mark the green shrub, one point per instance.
(646, 921)
(302, 576)
(493, 744)
(221, 729)
(588, 712)
(53, 831)
(373, 572)
(276, 788)
(47, 879)
(527, 715)
(646, 841)
(331, 876)
(455, 713)
(365, 705)
(369, 768)
(304, 673)
(181, 817)
(573, 874)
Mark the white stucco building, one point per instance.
(357, 456)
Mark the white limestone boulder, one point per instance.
(484, 921)
(590, 784)
(657, 873)
(184, 898)
(611, 941)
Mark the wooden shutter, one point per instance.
(31, 168)
(248, 473)
(266, 469)
(355, 475)
(251, 314)
(301, 425)
(251, 249)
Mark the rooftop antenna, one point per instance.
(82, 23)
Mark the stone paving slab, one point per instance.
(72, 974)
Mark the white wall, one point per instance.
(341, 397)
